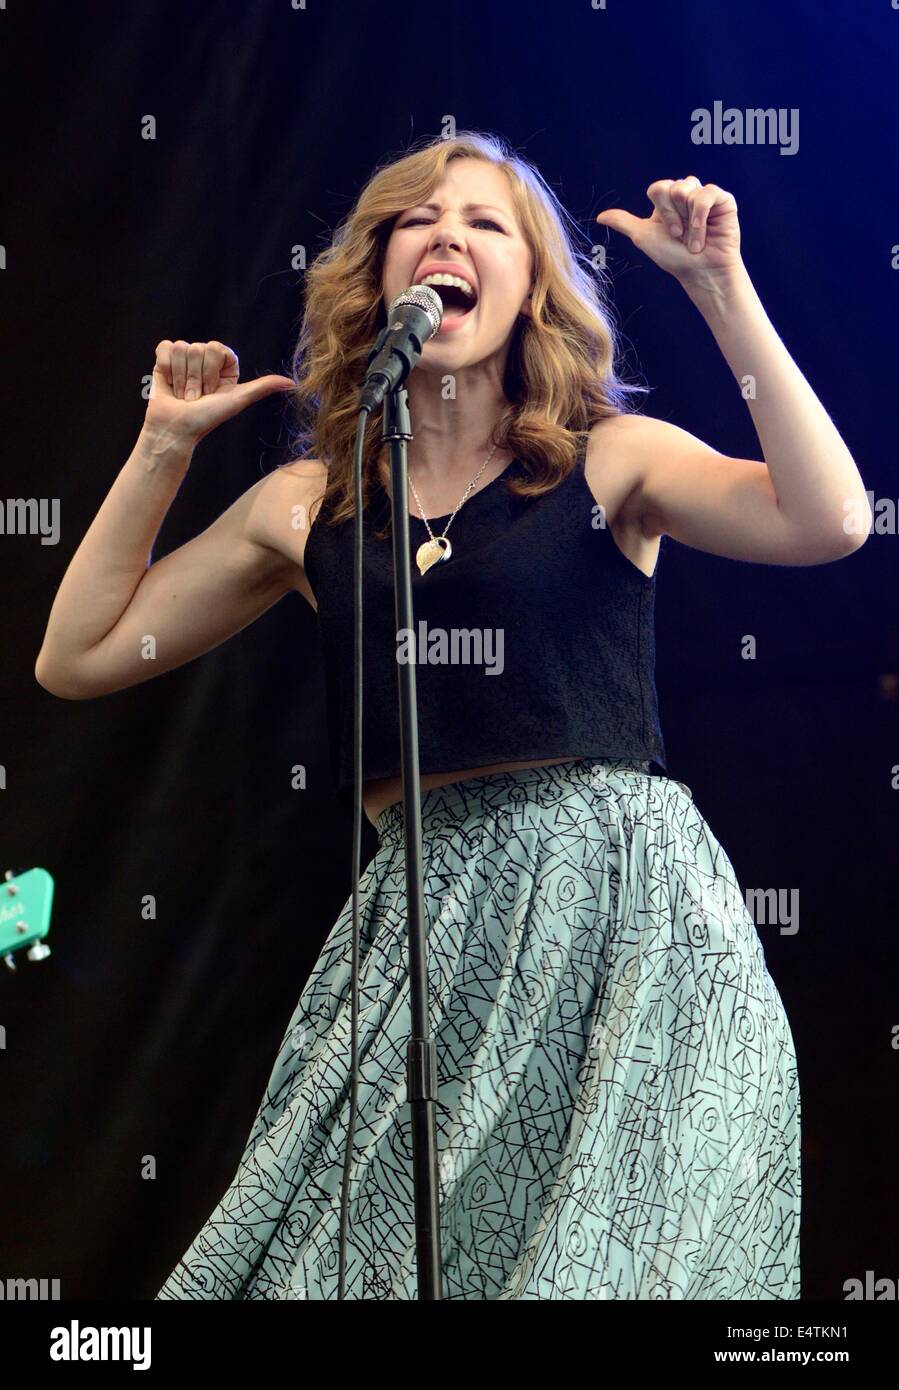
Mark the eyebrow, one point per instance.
(469, 207)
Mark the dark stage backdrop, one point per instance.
(134, 1058)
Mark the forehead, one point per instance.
(475, 182)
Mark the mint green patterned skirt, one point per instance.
(619, 1113)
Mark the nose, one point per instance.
(445, 234)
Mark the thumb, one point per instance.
(247, 392)
(264, 386)
(620, 221)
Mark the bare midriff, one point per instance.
(386, 791)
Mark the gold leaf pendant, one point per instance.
(432, 552)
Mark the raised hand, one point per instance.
(196, 386)
(692, 232)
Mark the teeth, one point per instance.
(461, 284)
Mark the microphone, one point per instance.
(413, 318)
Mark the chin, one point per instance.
(465, 340)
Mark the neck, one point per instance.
(453, 437)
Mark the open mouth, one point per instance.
(457, 302)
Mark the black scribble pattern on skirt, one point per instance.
(619, 1111)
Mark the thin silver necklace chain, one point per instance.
(464, 497)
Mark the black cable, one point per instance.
(418, 317)
(357, 839)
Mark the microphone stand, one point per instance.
(421, 1056)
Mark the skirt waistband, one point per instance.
(455, 800)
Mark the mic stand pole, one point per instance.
(421, 1057)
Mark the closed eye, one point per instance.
(479, 221)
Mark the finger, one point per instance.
(266, 385)
(228, 366)
(621, 221)
(701, 205)
(193, 387)
(682, 194)
(162, 369)
(213, 361)
(250, 391)
(179, 367)
(659, 194)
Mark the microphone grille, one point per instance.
(424, 297)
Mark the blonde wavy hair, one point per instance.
(560, 374)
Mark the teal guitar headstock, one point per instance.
(25, 903)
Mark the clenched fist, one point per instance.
(196, 386)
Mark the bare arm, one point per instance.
(119, 619)
(807, 503)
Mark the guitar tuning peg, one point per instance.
(39, 951)
(10, 963)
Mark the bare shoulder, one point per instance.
(634, 440)
(615, 464)
(615, 468)
(308, 476)
(304, 470)
(285, 512)
(305, 481)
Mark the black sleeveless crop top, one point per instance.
(535, 639)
